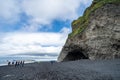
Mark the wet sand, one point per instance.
(73, 70)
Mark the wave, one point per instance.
(27, 58)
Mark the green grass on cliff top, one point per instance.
(82, 22)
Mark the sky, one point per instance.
(37, 26)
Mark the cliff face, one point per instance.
(95, 35)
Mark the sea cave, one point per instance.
(75, 55)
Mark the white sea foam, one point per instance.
(27, 58)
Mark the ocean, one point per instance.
(27, 58)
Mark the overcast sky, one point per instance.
(37, 26)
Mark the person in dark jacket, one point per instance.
(9, 63)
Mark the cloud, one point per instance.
(65, 30)
(49, 42)
(40, 12)
(9, 11)
(43, 12)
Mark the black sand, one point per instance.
(74, 70)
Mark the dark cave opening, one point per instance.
(75, 55)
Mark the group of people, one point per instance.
(16, 63)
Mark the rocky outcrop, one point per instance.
(99, 39)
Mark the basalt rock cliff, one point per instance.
(96, 34)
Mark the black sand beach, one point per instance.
(73, 70)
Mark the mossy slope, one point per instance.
(82, 22)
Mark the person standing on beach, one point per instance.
(23, 63)
(9, 63)
(52, 62)
(13, 63)
(16, 63)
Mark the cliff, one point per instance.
(95, 35)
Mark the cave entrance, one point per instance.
(75, 55)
